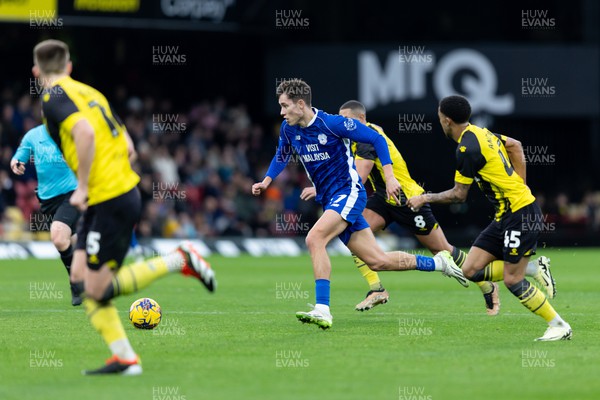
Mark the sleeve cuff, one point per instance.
(462, 179)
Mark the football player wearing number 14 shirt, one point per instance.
(322, 142)
(95, 146)
(496, 163)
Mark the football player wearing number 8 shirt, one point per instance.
(95, 146)
(497, 164)
(381, 212)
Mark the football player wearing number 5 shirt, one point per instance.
(95, 146)
(496, 163)
(323, 144)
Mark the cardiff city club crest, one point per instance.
(350, 124)
(322, 138)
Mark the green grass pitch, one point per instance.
(432, 341)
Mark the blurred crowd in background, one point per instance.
(197, 168)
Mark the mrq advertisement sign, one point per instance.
(553, 81)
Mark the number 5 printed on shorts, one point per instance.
(511, 239)
(92, 243)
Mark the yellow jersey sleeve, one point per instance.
(462, 179)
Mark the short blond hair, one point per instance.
(51, 56)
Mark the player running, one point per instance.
(56, 183)
(322, 143)
(381, 211)
(93, 141)
(497, 164)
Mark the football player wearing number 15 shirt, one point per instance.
(496, 163)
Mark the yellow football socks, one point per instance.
(371, 276)
(533, 298)
(494, 271)
(136, 276)
(105, 319)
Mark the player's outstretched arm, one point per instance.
(84, 138)
(260, 187)
(514, 148)
(363, 134)
(458, 194)
(23, 154)
(278, 163)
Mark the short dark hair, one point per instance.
(355, 106)
(296, 89)
(51, 56)
(457, 108)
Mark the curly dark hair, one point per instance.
(457, 108)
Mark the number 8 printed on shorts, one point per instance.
(419, 221)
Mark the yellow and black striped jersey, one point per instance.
(366, 151)
(70, 101)
(482, 157)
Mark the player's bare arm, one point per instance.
(514, 148)
(458, 194)
(83, 136)
(392, 186)
(364, 167)
(260, 187)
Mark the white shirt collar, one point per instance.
(314, 118)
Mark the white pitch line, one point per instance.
(400, 314)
